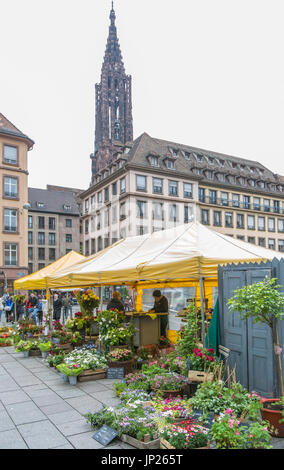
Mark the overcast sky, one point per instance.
(206, 73)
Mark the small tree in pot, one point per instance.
(262, 302)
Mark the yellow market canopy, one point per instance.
(38, 280)
(185, 252)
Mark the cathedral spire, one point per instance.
(114, 125)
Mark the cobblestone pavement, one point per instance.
(40, 411)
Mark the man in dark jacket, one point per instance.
(115, 303)
(161, 305)
(57, 305)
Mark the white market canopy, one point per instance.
(188, 251)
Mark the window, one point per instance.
(141, 209)
(51, 223)
(41, 266)
(87, 248)
(93, 202)
(30, 252)
(86, 206)
(99, 221)
(93, 246)
(187, 214)
(271, 224)
(256, 203)
(100, 197)
(107, 240)
(276, 207)
(280, 225)
(114, 214)
(221, 177)
(122, 186)
(114, 189)
(122, 214)
(217, 221)
(154, 161)
(251, 240)
(173, 212)
(240, 237)
(41, 253)
(205, 216)
(281, 245)
(173, 188)
(86, 226)
(266, 203)
(212, 196)
(246, 202)
(251, 222)
(170, 164)
(140, 183)
(68, 238)
(10, 220)
(106, 194)
(209, 174)
(157, 185)
(236, 200)
(10, 154)
(157, 211)
(225, 199)
(107, 218)
(240, 221)
(40, 222)
(30, 221)
(92, 224)
(228, 219)
(271, 244)
(201, 194)
(67, 207)
(30, 238)
(30, 268)
(100, 243)
(41, 238)
(261, 242)
(51, 254)
(10, 187)
(187, 190)
(261, 223)
(141, 230)
(68, 223)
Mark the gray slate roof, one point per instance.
(54, 201)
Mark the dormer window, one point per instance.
(261, 184)
(174, 152)
(170, 164)
(221, 177)
(242, 180)
(154, 161)
(67, 207)
(273, 187)
(186, 155)
(231, 179)
(209, 174)
(40, 205)
(252, 183)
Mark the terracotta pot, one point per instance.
(273, 416)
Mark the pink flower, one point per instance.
(237, 433)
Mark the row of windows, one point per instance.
(41, 238)
(42, 223)
(43, 253)
(141, 185)
(236, 200)
(242, 221)
(271, 243)
(158, 213)
(32, 267)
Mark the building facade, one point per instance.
(14, 148)
(53, 225)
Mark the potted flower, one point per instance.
(70, 371)
(263, 302)
(229, 433)
(121, 358)
(165, 346)
(5, 341)
(186, 435)
(44, 348)
(172, 409)
(168, 385)
(24, 346)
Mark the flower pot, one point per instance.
(272, 416)
(26, 353)
(172, 393)
(64, 377)
(72, 379)
(29, 335)
(43, 354)
(127, 365)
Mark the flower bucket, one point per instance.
(172, 393)
(26, 353)
(72, 379)
(273, 416)
(64, 377)
(43, 354)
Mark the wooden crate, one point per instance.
(139, 444)
(35, 353)
(166, 445)
(88, 375)
(200, 376)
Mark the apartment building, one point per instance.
(53, 225)
(14, 148)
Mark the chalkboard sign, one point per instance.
(105, 435)
(209, 420)
(115, 373)
(197, 414)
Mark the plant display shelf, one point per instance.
(155, 444)
(89, 375)
(200, 376)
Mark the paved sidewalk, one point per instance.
(40, 411)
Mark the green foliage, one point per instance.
(69, 370)
(189, 333)
(261, 301)
(45, 347)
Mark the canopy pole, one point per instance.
(202, 309)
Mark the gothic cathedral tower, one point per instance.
(114, 123)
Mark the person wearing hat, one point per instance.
(161, 305)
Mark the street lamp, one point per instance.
(26, 207)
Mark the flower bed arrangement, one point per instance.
(173, 409)
(168, 384)
(5, 341)
(70, 371)
(185, 435)
(202, 359)
(87, 300)
(31, 347)
(93, 365)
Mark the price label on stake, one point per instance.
(105, 435)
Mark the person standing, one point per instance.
(57, 305)
(161, 305)
(67, 305)
(33, 309)
(115, 303)
(9, 308)
(2, 304)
